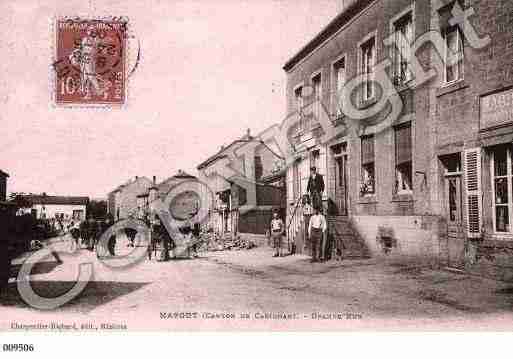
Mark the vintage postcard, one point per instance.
(334, 165)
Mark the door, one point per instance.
(341, 185)
(455, 229)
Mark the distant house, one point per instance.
(59, 207)
(3, 185)
(123, 200)
(246, 198)
(134, 198)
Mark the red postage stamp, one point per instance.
(90, 62)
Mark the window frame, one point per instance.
(508, 176)
(337, 106)
(410, 10)
(369, 83)
(296, 102)
(461, 62)
(316, 98)
(396, 165)
(362, 169)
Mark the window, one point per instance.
(339, 78)
(367, 56)
(317, 94)
(243, 165)
(368, 174)
(403, 159)
(298, 96)
(454, 55)
(501, 182)
(403, 33)
(259, 168)
(78, 214)
(314, 160)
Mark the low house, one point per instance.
(123, 200)
(58, 207)
(136, 197)
(244, 202)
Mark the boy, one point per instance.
(277, 229)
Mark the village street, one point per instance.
(351, 294)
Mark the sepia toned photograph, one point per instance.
(255, 165)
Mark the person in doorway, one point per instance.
(315, 188)
(316, 229)
(277, 229)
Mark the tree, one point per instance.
(97, 209)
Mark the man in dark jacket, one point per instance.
(315, 188)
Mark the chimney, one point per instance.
(248, 132)
(136, 178)
(154, 179)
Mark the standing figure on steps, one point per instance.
(315, 188)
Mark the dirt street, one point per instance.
(250, 289)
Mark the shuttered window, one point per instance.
(403, 159)
(473, 191)
(368, 169)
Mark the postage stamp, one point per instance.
(90, 61)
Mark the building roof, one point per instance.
(222, 152)
(129, 182)
(4, 174)
(351, 10)
(180, 175)
(183, 174)
(167, 184)
(63, 200)
(274, 176)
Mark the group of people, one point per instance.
(87, 234)
(162, 243)
(317, 225)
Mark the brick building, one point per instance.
(421, 185)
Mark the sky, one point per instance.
(208, 71)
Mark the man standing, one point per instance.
(315, 188)
(277, 229)
(85, 57)
(316, 230)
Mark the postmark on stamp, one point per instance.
(90, 61)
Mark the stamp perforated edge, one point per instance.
(52, 81)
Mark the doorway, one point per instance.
(454, 212)
(340, 199)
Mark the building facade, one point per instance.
(239, 176)
(432, 179)
(123, 200)
(65, 208)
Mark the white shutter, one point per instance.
(290, 184)
(322, 169)
(473, 191)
